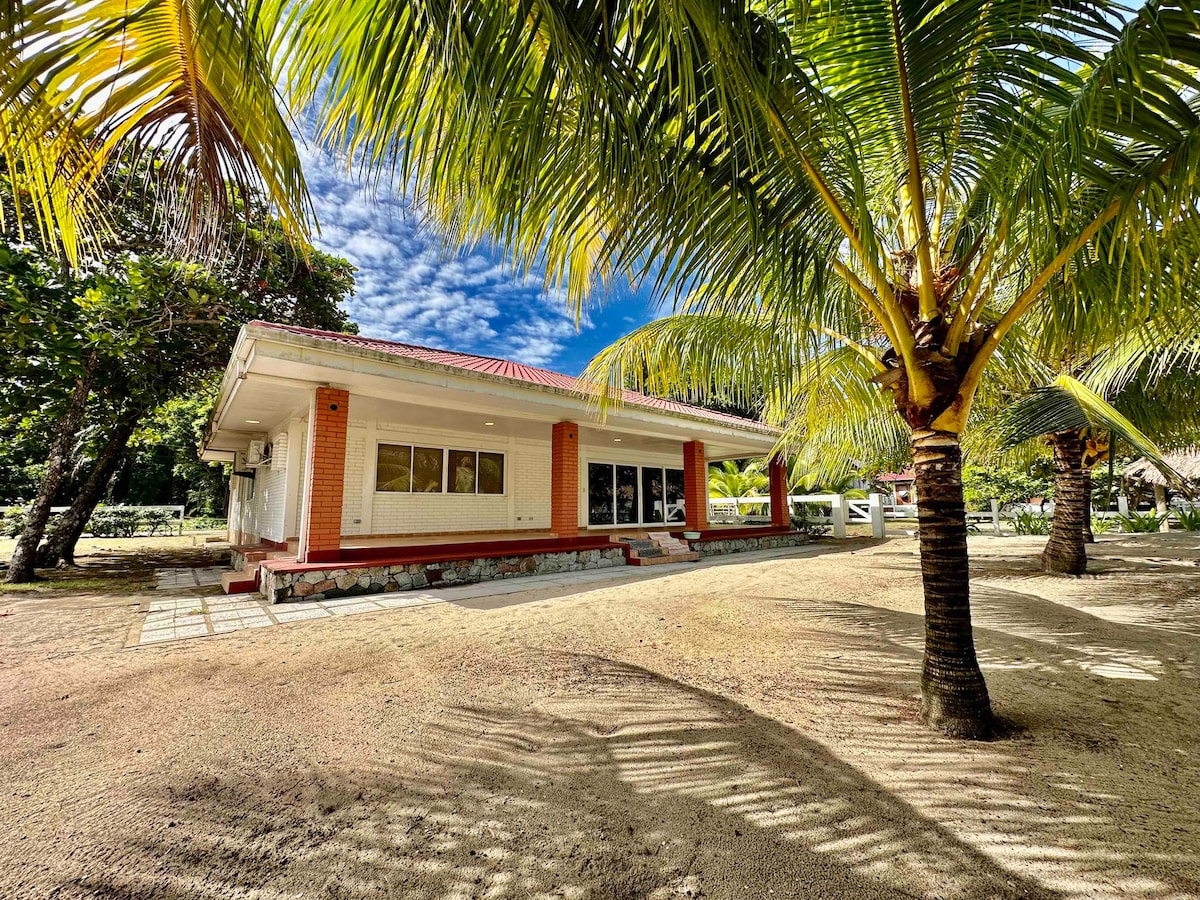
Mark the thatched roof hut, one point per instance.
(1185, 462)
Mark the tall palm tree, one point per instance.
(911, 175)
(179, 90)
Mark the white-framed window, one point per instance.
(622, 494)
(413, 469)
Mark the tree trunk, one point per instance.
(24, 558)
(1161, 507)
(954, 696)
(60, 542)
(1088, 537)
(1065, 552)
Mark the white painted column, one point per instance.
(996, 516)
(875, 508)
(1122, 505)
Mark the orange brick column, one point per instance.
(324, 476)
(564, 480)
(695, 486)
(780, 511)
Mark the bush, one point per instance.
(159, 521)
(12, 522)
(1141, 523)
(206, 523)
(1026, 522)
(1103, 525)
(1189, 519)
(114, 521)
(802, 523)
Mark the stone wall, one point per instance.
(741, 545)
(327, 583)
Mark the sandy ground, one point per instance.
(746, 730)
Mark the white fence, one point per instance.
(874, 510)
(177, 512)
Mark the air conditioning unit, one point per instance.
(258, 454)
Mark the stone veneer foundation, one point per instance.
(281, 586)
(721, 546)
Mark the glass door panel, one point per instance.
(652, 495)
(675, 496)
(600, 494)
(627, 495)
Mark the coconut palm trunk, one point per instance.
(1066, 552)
(954, 696)
(1088, 537)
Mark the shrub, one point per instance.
(115, 521)
(805, 525)
(1103, 525)
(159, 521)
(206, 523)
(1026, 522)
(12, 522)
(1189, 519)
(1141, 523)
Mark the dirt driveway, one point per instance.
(744, 730)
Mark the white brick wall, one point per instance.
(352, 512)
(525, 505)
(529, 479)
(527, 465)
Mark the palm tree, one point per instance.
(910, 176)
(1122, 389)
(732, 480)
(179, 90)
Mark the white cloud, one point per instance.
(410, 289)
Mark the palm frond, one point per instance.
(180, 88)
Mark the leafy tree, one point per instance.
(117, 338)
(1008, 484)
(909, 176)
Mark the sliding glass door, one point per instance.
(634, 495)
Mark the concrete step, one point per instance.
(690, 556)
(245, 581)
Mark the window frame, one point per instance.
(445, 450)
(666, 524)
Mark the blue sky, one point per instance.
(410, 289)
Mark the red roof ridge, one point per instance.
(509, 369)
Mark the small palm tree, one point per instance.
(729, 479)
(1124, 390)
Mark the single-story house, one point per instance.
(364, 465)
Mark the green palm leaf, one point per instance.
(180, 87)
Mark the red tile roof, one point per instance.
(504, 368)
(906, 475)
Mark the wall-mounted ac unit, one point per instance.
(258, 454)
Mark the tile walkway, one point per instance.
(176, 618)
(170, 579)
